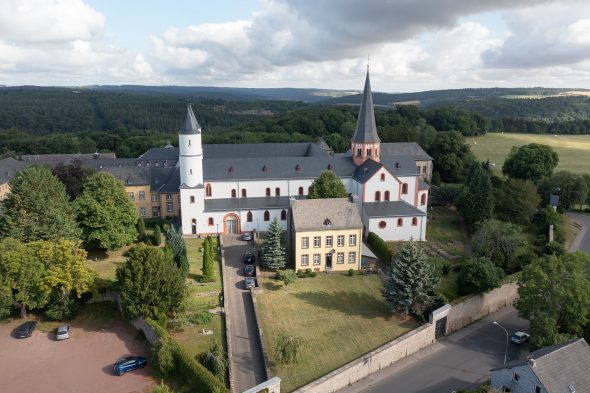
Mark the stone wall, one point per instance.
(477, 307)
(228, 337)
(253, 293)
(150, 334)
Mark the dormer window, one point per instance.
(327, 222)
(189, 142)
(264, 169)
(330, 167)
(298, 167)
(231, 169)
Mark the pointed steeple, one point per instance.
(366, 129)
(190, 125)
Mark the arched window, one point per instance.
(194, 220)
(249, 217)
(414, 221)
(244, 193)
(283, 215)
(405, 188)
(382, 224)
(266, 215)
(383, 177)
(211, 221)
(277, 191)
(423, 199)
(377, 196)
(400, 222)
(208, 190)
(386, 196)
(233, 193)
(267, 191)
(300, 190)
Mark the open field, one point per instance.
(339, 318)
(573, 150)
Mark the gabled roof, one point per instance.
(160, 153)
(165, 179)
(553, 200)
(325, 214)
(391, 209)
(366, 129)
(366, 170)
(8, 168)
(422, 185)
(406, 148)
(130, 175)
(258, 150)
(559, 366)
(397, 166)
(190, 125)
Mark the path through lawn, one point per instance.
(339, 317)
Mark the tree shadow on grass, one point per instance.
(271, 286)
(350, 303)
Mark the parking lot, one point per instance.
(82, 363)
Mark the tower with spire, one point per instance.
(365, 143)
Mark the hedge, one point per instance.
(381, 249)
(201, 379)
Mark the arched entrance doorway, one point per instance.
(194, 227)
(231, 223)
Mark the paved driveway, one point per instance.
(582, 241)
(247, 362)
(460, 361)
(81, 364)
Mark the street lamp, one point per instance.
(506, 331)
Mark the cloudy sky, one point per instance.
(413, 44)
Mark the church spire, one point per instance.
(365, 142)
(190, 125)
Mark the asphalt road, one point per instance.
(460, 361)
(582, 241)
(247, 360)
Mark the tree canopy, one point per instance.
(499, 241)
(106, 214)
(476, 200)
(149, 283)
(452, 156)
(479, 275)
(37, 208)
(530, 162)
(72, 175)
(328, 185)
(516, 201)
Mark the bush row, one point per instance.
(200, 379)
(380, 248)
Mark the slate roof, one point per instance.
(8, 168)
(160, 154)
(422, 185)
(325, 214)
(109, 162)
(398, 166)
(559, 366)
(58, 158)
(406, 148)
(391, 209)
(275, 168)
(259, 150)
(190, 125)
(165, 179)
(235, 204)
(130, 175)
(553, 200)
(366, 129)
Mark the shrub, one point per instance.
(446, 268)
(479, 275)
(163, 356)
(61, 307)
(380, 248)
(201, 317)
(157, 236)
(286, 348)
(313, 274)
(162, 388)
(308, 272)
(286, 276)
(554, 248)
(214, 359)
(351, 272)
(301, 273)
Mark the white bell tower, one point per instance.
(192, 198)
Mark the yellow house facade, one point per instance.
(326, 234)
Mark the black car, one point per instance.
(249, 270)
(26, 329)
(249, 258)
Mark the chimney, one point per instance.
(531, 362)
(397, 165)
(353, 198)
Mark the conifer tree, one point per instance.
(477, 199)
(274, 254)
(410, 280)
(178, 246)
(157, 236)
(208, 259)
(140, 229)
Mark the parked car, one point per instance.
(26, 329)
(247, 236)
(249, 282)
(249, 258)
(63, 332)
(520, 337)
(129, 363)
(249, 270)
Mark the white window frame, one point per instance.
(352, 240)
(352, 257)
(340, 240)
(131, 196)
(317, 242)
(305, 242)
(305, 260)
(317, 259)
(329, 241)
(340, 258)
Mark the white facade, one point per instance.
(397, 228)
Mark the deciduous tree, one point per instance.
(214, 360)
(106, 214)
(37, 208)
(328, 185)
(498, 241)
(410, 280)
(479, 275)
(530, 162)
(72, 175)
(452, 156)
(517, 201)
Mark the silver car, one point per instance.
(249, 282)
(63, 332)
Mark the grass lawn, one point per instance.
(571, 148)
(339, 318)
(105, 263)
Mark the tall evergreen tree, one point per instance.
(476, 200)
(208, 259)
(176, 242)
(140, 229)
(410, 280)
(328, 185)
(37, 208)
(105, 212)
(273, 253)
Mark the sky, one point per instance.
(411, 45)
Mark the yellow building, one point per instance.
(8, 168)
(326, 234)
